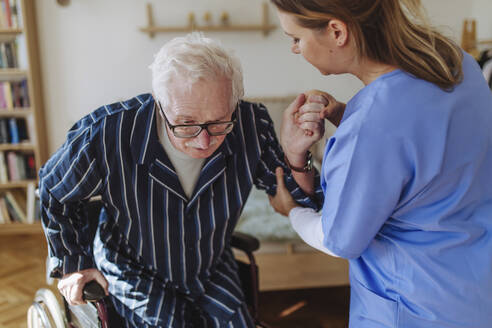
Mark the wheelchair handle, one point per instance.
(93, 292)
(244, 242)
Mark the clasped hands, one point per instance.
(302, 126)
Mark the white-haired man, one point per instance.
(174, 169)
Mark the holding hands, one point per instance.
(302, 127)
(303, 123)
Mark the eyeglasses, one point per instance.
(192, 130)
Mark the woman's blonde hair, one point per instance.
(393, 32)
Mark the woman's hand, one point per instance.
(72, 284)
(333, 110)
(282, 202)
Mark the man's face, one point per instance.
(207, 101)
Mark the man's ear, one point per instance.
(338, 31)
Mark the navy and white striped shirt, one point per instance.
(162, 253)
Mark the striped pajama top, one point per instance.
(159, 250)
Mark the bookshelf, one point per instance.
(23, 146)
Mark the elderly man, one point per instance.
(174, 169)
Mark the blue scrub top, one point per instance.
(407, 179)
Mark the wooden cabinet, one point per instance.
(22, 126)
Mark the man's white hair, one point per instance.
(195, 57)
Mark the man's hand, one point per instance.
(282, 202)
(72, 284)
(301, 128)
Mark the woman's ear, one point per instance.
(338, 31)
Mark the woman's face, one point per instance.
(319, 47)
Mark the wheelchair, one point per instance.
(46, 312)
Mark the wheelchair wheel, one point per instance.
(45, 312)
(37, 317)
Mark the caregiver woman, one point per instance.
(407, 176)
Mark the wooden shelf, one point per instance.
(19, 146)
(12, 74)
(10, 31)
(30, 72)
(20, 228)
(9, 34)
(16, 184)
(225, 26)
(15, 112)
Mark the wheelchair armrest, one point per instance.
(93, 292)
(244, 242)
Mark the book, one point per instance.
(22, 129)
(15, 210)
(10, 54)
(16, 94)
(8, 13)
(18, 10)
(12, 166)
(31, 173)
(14, 131)
(3, 23)
(3, 168)
(4, 211)
(4, 131)
(21, 167)
(25, 93)
(3, 104)
(20, 197)
(7, 91)
(3, 56)
(14, 17)
(3, 219)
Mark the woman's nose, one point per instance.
(295, 49)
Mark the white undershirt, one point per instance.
(187, 168)
(307, 223)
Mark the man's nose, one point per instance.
(203, 139)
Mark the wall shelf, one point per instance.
(9, 34)
(20, 188)
(151, 29)
(15, 112)
(16, 184)
(12, 74)
(19, 146)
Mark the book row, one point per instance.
(9, 14)
(13, 130)
(14, 94)
(18, 205)
(17, 166)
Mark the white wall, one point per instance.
(92, 52)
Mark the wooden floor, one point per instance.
(306, 308)
(22, 272)
(22, 263)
